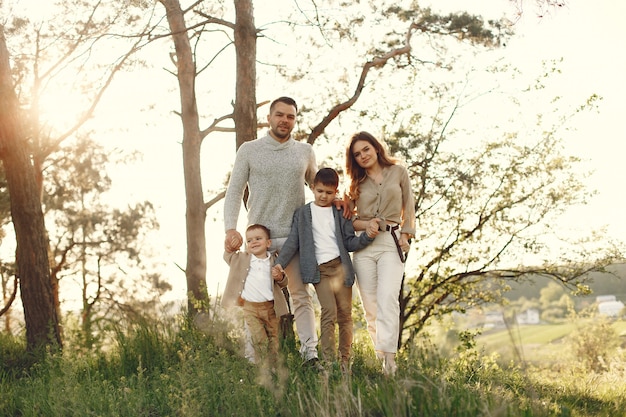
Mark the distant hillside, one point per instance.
(612, 282)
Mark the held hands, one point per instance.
(373, 227)
(278, 273)
(233, 240)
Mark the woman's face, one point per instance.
(364, 154)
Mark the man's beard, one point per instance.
(281, 135)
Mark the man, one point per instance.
(275, 168)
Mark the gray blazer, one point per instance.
(301, 239)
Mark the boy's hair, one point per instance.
(260, 227)
(327, 177)
(286, 100)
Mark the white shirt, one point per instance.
(259, 282)
(326, 248)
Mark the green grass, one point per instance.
(156, 370)
(527, 334)
(542, 344)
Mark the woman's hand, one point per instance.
(373, 228)
(404, 242)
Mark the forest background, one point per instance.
(506, 136)
(547, 57)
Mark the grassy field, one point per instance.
(153, 369)
(541, 344)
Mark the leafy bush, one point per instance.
(594, 343)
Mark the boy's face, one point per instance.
(324, 194)
(257, 241)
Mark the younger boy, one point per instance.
(324, 237)
(251, 285)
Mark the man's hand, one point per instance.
(344, 205)
(278, 273)
(233, 240)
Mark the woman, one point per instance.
(380, 188)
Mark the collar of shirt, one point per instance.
(265, 260)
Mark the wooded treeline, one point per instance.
(480, 206)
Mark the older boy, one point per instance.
(323, 237)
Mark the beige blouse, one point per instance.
(392, 200)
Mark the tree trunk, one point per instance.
(195, 212)
(42, 324)
(245, 127)
(245, 89)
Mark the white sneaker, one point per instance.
(389, 363)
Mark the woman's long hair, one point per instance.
(355, 172)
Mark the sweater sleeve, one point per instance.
(236, 187)
(408, 204)
(228, 256)
(291, 245)
(311, 169)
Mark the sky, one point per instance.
(587, 36)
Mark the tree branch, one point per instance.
(11, 299)
(377, 62)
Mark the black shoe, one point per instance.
(314, 364)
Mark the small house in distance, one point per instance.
(530, 316)
(605, 298)
(494, 319)
(611, 308)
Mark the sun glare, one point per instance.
(36, 10)
(59, 109)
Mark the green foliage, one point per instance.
(12, 355)
(480, 208)
(555, 303)
(158, 369)
(594, 343)
(99, 246)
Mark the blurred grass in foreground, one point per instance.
(174, 369)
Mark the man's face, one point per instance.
(324, 194)
(257, 241)
(282, 120)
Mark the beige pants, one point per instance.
(379, 277)
(303, 311)
(336, 302)
(262, 324)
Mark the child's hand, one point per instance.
(278, 273)
(373, 227)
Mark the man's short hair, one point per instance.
(328, 177)
(287, 100)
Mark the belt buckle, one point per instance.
(391, 228)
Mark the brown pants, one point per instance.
(336, 301)
(263, 326)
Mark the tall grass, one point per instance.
(174, 369)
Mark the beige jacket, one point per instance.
(239, 265)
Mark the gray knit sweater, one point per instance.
(275, 174)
